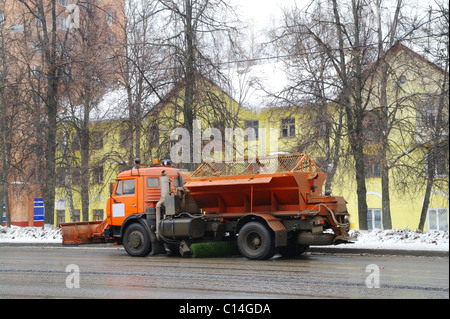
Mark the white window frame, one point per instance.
(110, 17)
(254, 125)
(288, 127)
(63, 3)
(61, 23)
(437, 223)
(373, 222)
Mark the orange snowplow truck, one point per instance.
(268, 205)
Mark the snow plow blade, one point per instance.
(83, 232)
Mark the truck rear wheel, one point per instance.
(255, 241)
(136, 240)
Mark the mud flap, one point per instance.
(157, 246)
(278, 229)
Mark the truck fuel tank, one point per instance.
(183, 227)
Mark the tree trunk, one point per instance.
(188, 109)
(358, 144)
(85, 157)
(354, 108)
(430, 181)
(50, 155)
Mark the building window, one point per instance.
(125, 138)
(60, 176)
(75, 142)
(63, 3)
(76, 215)
(153, 136)
(372, 166)
(110, 38)
(36, 71)
(97, 175)
(61, 23)
(374, 219)
(38, 21)
(61, 215)
(109, 17)
(109, 60)
(97, 140)
(252, 125)
(76, 176)
(371, 125)
(17, 28)
(288, 127)
(440, 164)
(427, 112)
(437, 219)
(36, 46)
(98, 214)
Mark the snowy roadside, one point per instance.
(30, 235)
(398, 239)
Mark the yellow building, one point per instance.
(292, 129)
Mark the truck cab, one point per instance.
(137, 191)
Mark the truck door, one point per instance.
(124, 200)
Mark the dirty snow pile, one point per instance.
(17, 234)
(400, 239)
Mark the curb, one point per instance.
(379, 252)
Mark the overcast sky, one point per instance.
(260, 11)
(263, 11)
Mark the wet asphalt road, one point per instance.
(41, 272)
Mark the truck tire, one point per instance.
(255, 241)
(136, 240)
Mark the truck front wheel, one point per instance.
(136, 240)
(255, 241)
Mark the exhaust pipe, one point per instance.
(165, 191)
(315, 239)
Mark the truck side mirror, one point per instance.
(111, 188)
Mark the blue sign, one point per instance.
(38, 209)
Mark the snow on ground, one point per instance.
(400, 239)
(404, 239)
(17, 234)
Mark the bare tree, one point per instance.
(391, 31)
(16, 139)
(52, 43)
(143, 64)
(193, 29)
(342, 34)
(312, 87)
(87, 73)
(436, 140)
